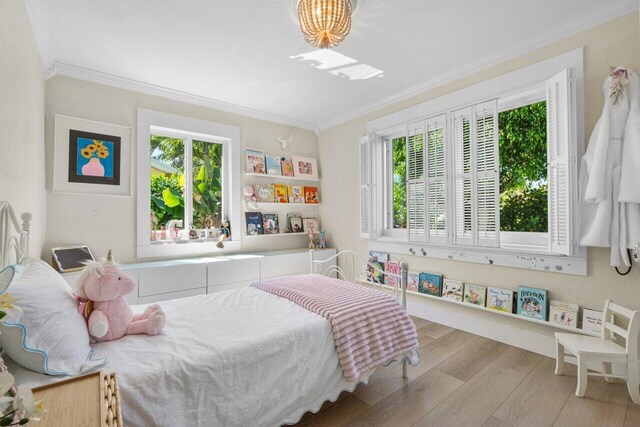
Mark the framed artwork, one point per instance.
(91, 157)
(305, 167)
(94, 158)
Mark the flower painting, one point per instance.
(94, 158)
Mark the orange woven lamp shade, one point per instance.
(325, 23)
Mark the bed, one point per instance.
(241, 357)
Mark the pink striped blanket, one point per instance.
(369, 327)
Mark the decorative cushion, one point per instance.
(49, 335)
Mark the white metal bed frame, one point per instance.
(14, 237)
(355, 268)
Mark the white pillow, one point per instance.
(49, 336)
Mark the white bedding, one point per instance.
(235, 358)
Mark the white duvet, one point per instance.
(236, 358)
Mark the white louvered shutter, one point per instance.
(462, 178)
(366, 213)
(559, 135)
(416, 181)
(436, 180)
(487, 179)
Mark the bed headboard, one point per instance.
(14, 237)
(352, 267)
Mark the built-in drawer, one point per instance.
(284, 265)
(233, 271)
(174, 278)
(229, 286)
(172, 295)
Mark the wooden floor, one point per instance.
(467, 380)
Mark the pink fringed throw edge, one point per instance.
(369, 327)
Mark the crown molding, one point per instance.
(579, 23)
(60, 69)
(41, 34)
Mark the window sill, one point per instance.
(169, 248)
(527, 259)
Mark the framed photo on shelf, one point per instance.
(310, 225)
(91, 157)
(305, 167)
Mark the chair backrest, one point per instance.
(630, 334)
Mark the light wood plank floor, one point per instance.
(467, 380)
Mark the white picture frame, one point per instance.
(61, 183)
(305, 167)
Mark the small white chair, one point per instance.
(604, 350)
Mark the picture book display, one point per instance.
(592, 320)
(311, 195)
(270, 224)
(310, 225)
(533, 302)
(254, 223)
(412, 281)
(392, 267)
(280, 193)
(500, 299)
(295, 223)
(287, 167)
(563, 313)
(273, 165)
(264, 193)
(475, 294)
(430, 284)
(453, 289)
(375, 266)
(295, 194)
(255, 161)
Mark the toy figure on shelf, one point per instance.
(154, 226)
(193, 233)
(174, 228)
(224, 233)
(323, 241)
(212, 233)
(312, 244)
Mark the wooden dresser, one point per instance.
(85, 401)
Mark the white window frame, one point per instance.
(158, 123)
(516, 250)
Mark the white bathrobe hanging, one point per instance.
(610, 169)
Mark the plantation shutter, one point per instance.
(416, 181)
(487, 179)
(462, 179)
(436, 180)
(366, 213)
(559, 134)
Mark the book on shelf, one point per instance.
(500, 299)
(255, 161)
(287, 167)
(264, 193)
(377, 261)
(270, 224)
(412, 281)
(294, 222)
(563, 313)
(254, 223)
(430, 284)
(392, 267)
(592, 320)
(295, 194)
(533, 302)
(453, 289)
(280, 193)
(311, 195)
(475, 294)
(273, 165)
(310, 225)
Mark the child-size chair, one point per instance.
(604, 350)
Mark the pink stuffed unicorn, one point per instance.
(101, 287)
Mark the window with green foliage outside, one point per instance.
(522, 135)
(399, 166)
(169, 181)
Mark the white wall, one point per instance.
(613, 43)
(21, 119)
(105, 222)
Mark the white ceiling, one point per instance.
(237, 54)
